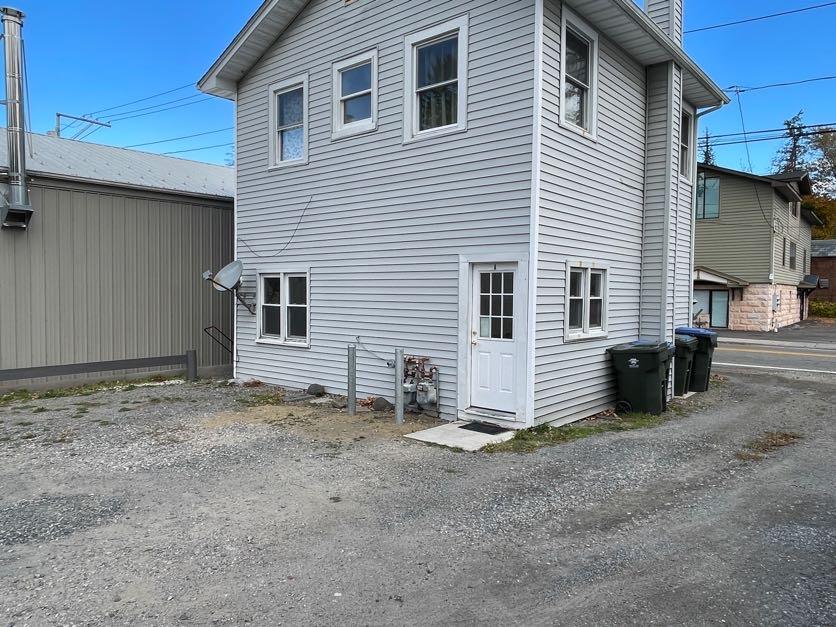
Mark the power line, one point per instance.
(171, 139)
(772, 130)
(156, 106)
(771, 139)
(749, 158)
(177, 152)
(139, 115)
(126, 104)
(761, 17)
(736, 88)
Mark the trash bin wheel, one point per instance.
(623, 407)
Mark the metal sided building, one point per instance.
(109, 265)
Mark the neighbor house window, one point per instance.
(435, 101)
(283, 311)
(355, 95)
(289, 122)
(586, 302)
(804, 260)
(794, 209)
(784, 253)
(578, 75)
(685, 145)
(792, 256)
(708, 196)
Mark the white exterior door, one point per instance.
(494, 331)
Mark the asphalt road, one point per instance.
(755, 357)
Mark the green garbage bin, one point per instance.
(686, 346)
(642, 369)
(701, 370)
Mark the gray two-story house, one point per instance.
(752, 249)
(503, 187)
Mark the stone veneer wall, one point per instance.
(753, 312)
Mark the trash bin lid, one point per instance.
(696, 332)
(640, 346)
(686, 340)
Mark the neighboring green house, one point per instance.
(752, 249)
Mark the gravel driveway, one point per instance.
(184, 505)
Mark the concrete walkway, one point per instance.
(813, 333)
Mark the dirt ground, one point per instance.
(199, 504)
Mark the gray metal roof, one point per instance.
(823, 248)
(95, 163)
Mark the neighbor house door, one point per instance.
(715, 303)
(494, 354)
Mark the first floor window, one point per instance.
(283, 307)
(289, 117)
(587, 301)
(436, 65)
(708, 197)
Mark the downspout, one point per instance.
(19, 210)
(697, 116)
(666, 223)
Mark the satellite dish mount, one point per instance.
(228, 279)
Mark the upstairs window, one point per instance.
(578, 76)
(283, 312)
(355, 95)
(708, 197)
(586, 302)
(289, 122)
(784, 253)
(794, 209)
(792, 255)
(436, 86)
(685, 145)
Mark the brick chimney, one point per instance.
(668, 15)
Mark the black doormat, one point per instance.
(484, 427)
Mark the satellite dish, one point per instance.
(228, 279)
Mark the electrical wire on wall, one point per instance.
(290, 239)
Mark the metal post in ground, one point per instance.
(352, 380)
(191, 365)
(399, 386)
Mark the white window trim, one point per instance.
(274, 90)
(411, 43)
(691, 146)
(585, 333)
(282, 274)
(339, 130)
(573, 22)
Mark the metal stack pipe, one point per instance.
(15, 122)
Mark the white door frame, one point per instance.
(521, 304)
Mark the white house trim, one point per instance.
(569, 19)
(339, 129)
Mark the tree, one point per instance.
(823, 169)
(707, 149)
(794, 154)
(824, 208)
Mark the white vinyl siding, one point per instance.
(386, 221)
(591, 207)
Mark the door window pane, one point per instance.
(438, 62)
(485, 326)
(356, 80)
(507, 328)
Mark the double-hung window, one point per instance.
(685, 128)
(708, 196)
(579, 75)
(435, 101)
(793, 254)
(586, 299)
(289, 122)
(355, 95)
(283, 311)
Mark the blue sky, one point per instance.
(88, 55)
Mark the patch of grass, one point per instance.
(766, 443)
(529, 440)
(16, 396)
(256, 400)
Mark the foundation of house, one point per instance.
(755, 310)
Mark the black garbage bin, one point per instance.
(686, 346)
(642, 369)
(701, 370)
